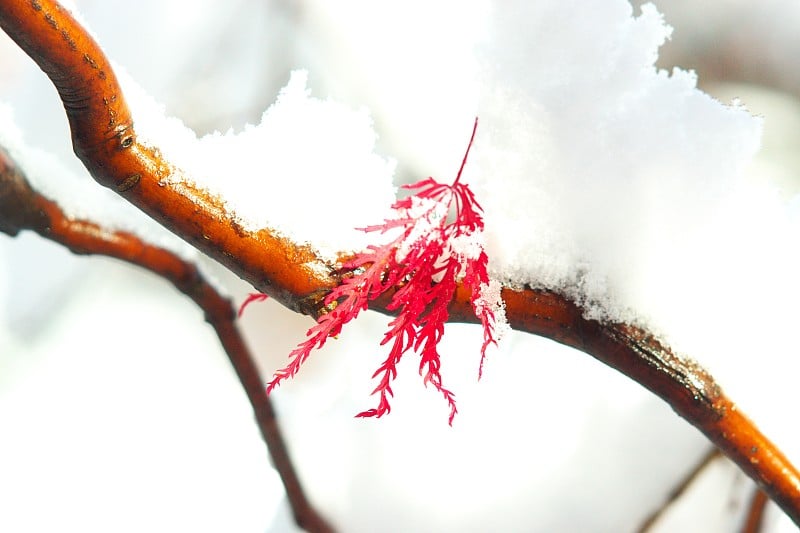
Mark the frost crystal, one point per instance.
(431, 253)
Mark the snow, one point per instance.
(642, 135)
(599, 174)
(491, 299)
(592, 149)
(295, 172)
(79, 197)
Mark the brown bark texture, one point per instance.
(104, 138)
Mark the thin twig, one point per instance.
(755, 512)
(680, 489)
(105, 140)
(22, 208)
(754, 521)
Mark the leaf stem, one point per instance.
(466, 153)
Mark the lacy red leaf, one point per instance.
(252, 297)
(438, 242)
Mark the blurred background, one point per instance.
(118, 409)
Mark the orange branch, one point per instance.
(22, 208)
(105, 139)
(754, 521)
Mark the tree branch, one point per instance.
(754, 521)
(21, 208)
(105, 140)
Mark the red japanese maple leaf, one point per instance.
(252, 297)
(438, 243)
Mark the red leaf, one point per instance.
(252, 297)
(423, 265)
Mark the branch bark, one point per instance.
(105, 139)
(23, 208)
